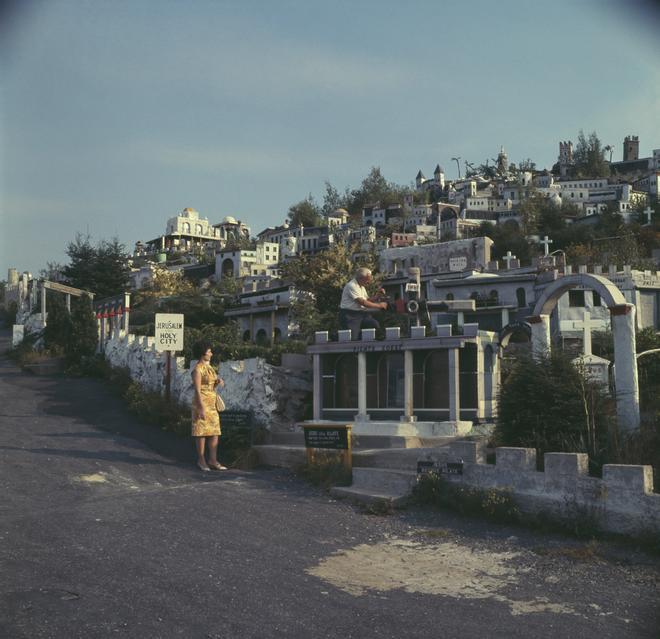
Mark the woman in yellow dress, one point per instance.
(205, 416)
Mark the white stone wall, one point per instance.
(276, 395)
(622, 501)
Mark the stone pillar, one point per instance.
(407, 386)
(43, 305)
(622, 318)
(481, 396)
(318, 387)
(540, 334)
(127, 310)
(362, 387)
(454, 385)
(68, 302)
(505, 317)
(272, 328)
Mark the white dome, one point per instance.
(229, 220)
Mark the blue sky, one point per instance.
(117, 115)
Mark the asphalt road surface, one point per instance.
(108, 529)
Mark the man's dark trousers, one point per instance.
(355, 321)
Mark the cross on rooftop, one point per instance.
(508, 258)
(649, 213)
(546, 241)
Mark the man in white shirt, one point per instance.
(356, 303)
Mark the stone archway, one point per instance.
(622, 317)
(514, 328)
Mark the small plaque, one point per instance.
(330, 437)
(455, 468)
(425, 467)
(458, 263)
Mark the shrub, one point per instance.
(549, 404)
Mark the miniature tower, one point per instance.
(439, 177)
(630, 148)
(502, 161)
(565, 157)
(419, 179)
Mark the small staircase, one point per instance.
(384, 466)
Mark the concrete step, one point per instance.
(366, 496)
(384, 481)
(412, 429)
(399, 458)
(397, 441)
(291, 438)
(297, 438)
(280, 455)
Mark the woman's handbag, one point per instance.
(219, 403)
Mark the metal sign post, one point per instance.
(169, 339)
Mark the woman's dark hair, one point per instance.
(199, 348)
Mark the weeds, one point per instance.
(434, 490)
(325, 471)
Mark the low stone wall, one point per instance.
(276, 395)
(622, 501)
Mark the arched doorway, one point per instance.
(227, 267)
(622, 316)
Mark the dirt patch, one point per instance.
(95, 478)
(447, 569)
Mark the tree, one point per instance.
(333, 200)
(83, 337)
(305, 212)
(102, 270)
(589, 156)
(527, 165)
(319, 280)
(571, 414)
(376, 189)
(506, 237)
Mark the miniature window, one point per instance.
(576, 298)
(597, 301)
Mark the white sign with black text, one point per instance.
(169, 332)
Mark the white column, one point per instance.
(407, 386)
(318, 387)
(540, 334)
(68, 302)
(127, 310)
(454, 385)
(43, 305)
(362, 387)
(625, 366)
(481, 396)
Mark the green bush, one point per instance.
(73, 334)
(228, 345)
(549, 404)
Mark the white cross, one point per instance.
(649, 212)
(508, 258)
(546, 244)
(587, 325)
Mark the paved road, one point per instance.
(102, 535)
